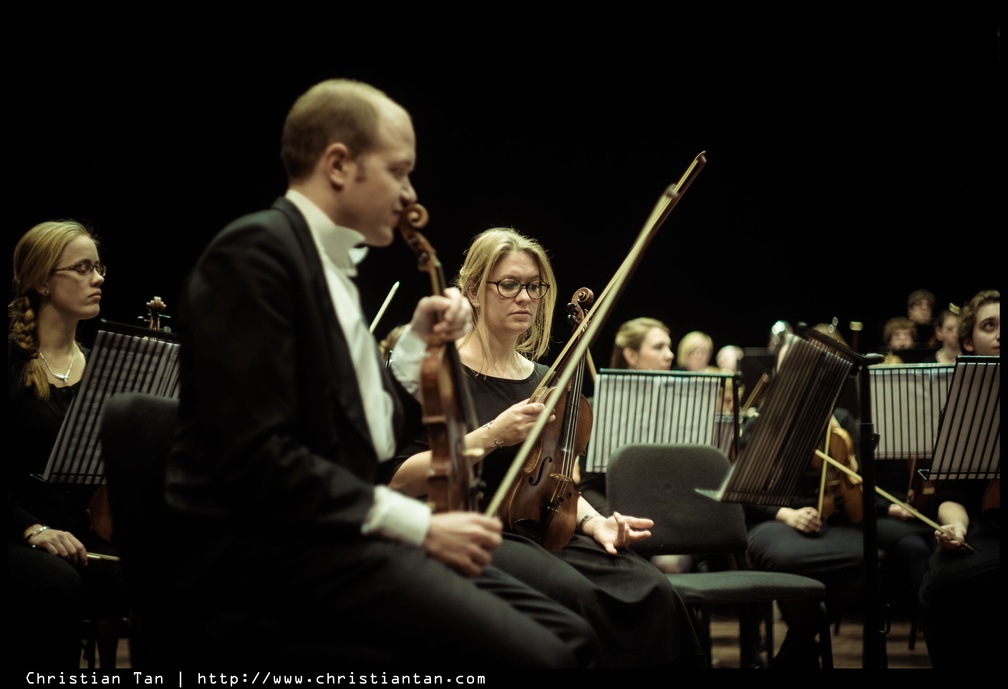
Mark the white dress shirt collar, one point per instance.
(341, 245)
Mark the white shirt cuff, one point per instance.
(397, 517)
(405, 361)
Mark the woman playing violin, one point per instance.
(640, 619)
(796, 538)
(52, 586)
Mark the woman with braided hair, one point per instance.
(52, 585)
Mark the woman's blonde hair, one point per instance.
(631, 334)
(691, 341)
(35, 258)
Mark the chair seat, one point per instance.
(661, 481)
(744, 586)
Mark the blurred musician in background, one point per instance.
(960, 596)
(796, 538)
(51, 585)
(643, 344)
(898, 340)
(946, 335)
(640, 619)
(920, 309)
(695, 350)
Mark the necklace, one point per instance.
(66, 376)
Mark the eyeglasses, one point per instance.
(84, 268)
(509, 289)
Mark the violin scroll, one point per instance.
(155, 313)
(448, 411)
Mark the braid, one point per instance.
(24, 332)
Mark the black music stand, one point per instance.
(631, 407)
(793, 421)
(968, 443)
(907, 403)
(124, 358)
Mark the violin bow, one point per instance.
(893, 499)
(584, 337)
(381, 311)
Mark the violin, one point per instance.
(451, 481)
(543, 505)
(99, 512)
(155, 312)
(920, 490)
(839, 491)
(992, 496)
(661, 211)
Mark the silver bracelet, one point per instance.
(497, 442)
(35, 533)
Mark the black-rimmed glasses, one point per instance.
(509, 289)
(84, 268)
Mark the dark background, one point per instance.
(852, 156)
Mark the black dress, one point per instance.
(960, 596)
(48, 598)
(639, 617)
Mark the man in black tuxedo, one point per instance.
(294, 556)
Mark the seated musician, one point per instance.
(898, 340)
(796, 538)
(828, 545)
(53, 586)
(294, 557)
(640, 619)
(643, 344)
(920, 310)
(960, 596)
(946, 335)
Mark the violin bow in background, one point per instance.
(381, 311)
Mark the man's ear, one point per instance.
(334, 161)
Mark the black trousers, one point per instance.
(367, 603)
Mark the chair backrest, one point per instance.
(659, 481)
(137, 430)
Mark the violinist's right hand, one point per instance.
(61, 544)
(513, 425)
(464, 541)
(951, 536)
